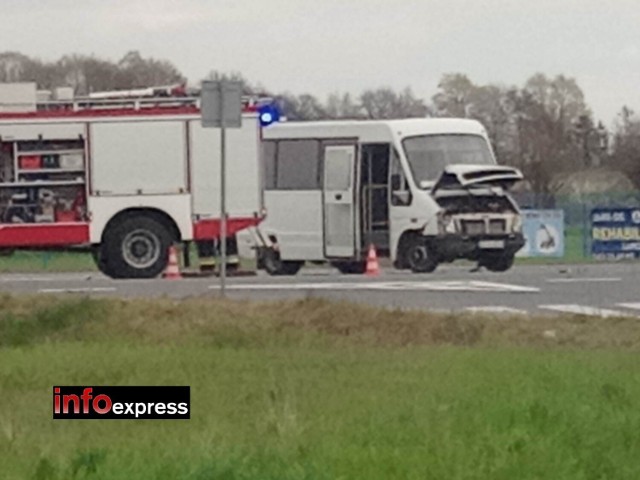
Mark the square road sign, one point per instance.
(221, 104)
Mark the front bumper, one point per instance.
(453, 246)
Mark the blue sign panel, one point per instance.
(615, 233)
(543, 232)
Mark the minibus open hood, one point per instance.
(463, 176)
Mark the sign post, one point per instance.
(221, 107)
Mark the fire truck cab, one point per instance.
(126, 173)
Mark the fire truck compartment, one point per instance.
(138, 158)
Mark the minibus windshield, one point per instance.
(428, 155)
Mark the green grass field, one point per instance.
(316, 390)
(36, 261)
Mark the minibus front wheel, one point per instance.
(497, 262)
(419, 255)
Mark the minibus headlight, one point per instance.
(445, 223)
(516, 225)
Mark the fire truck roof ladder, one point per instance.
(154, 97)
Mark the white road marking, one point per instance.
(36, 278)
(437, 311)
(584, 280)
(453, 286)
(77, 290)
(507, 287)
(585, 310)
(458, 286)
(289, 286)
(497, 309)
(434, 286)
(630, 306)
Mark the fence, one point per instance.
(577, 214)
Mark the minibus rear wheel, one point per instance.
(273, 265)
(351, 268)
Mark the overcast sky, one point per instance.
(348, 45)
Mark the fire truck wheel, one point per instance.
(275, 266)
(99, 258)
(137, 247)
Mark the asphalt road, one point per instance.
(599, 289)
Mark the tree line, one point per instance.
(543, 127)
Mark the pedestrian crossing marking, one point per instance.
(630, 306)
(584, 280)
(585, 310)
(497, 309)
(436, 286)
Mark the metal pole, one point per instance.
(585, 210)
(223, 196)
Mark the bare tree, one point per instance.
(386, 103)
(301, 107)
(489, 105)
(248, 88)
(545, 148)
(455, 96)
(343, 106)
(86, 74)
(625, 153)
(15, 67)
(134, 71)
(561, 97)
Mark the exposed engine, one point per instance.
(477, 213)
(471, 203)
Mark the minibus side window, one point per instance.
(292, 164)
(399, 191)
(269, 164)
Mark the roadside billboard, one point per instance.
(615, 233)
(543, 233)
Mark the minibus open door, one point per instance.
(338, 195)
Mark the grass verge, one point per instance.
(46, 261)
(313, 389)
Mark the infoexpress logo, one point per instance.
(139, 403)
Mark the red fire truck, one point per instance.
(125, 173)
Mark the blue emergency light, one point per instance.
(268, 114)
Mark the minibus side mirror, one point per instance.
(401, 198)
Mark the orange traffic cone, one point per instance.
(173, 269)
(373, 268)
